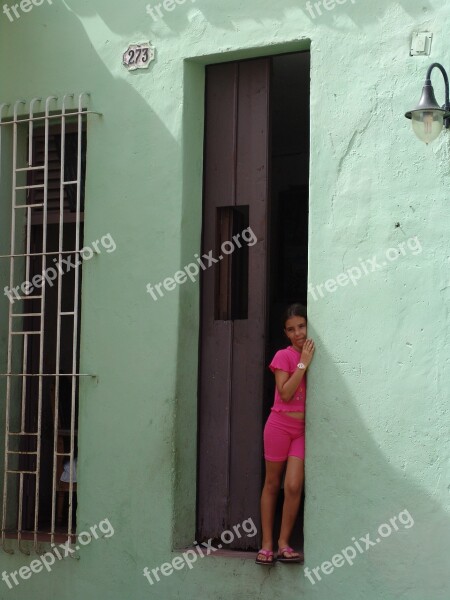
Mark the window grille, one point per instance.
(42, 165)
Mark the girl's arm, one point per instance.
(287, 384)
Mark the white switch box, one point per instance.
(421, 43)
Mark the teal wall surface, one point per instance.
(378, 439)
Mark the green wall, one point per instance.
(377, 430)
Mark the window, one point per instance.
(42, 175)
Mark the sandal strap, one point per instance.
(266, 552)
(287, 549)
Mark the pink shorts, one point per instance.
(283, 436)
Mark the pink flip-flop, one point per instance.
(268, 554)
(289, 559)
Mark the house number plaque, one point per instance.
(138, 56)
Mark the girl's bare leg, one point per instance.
(274, 472)
(293, 485)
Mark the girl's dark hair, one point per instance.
(294, 310)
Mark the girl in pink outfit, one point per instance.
(284, 437)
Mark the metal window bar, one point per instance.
(63, 114)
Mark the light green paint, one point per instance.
(378, 416)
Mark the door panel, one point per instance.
(232, 350)
(249, 335)
(216, 335)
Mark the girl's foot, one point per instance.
(288, 554)
(265, 557)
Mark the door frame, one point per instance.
(185, 473)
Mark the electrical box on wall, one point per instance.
(421, 43)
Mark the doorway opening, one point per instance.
(256, 174)
(288, 222)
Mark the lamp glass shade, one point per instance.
(427, 124)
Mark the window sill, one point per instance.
(28, 536)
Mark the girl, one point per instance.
(284, 437)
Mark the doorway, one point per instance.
(256, 176)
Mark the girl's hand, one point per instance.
(307, 352)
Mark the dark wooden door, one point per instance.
(233, 319)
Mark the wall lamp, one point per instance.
(428, 118)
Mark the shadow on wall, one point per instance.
(129, 122)
(178, 19)
(364, 472)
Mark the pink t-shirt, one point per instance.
(287, 360)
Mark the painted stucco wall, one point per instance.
(378, 420)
